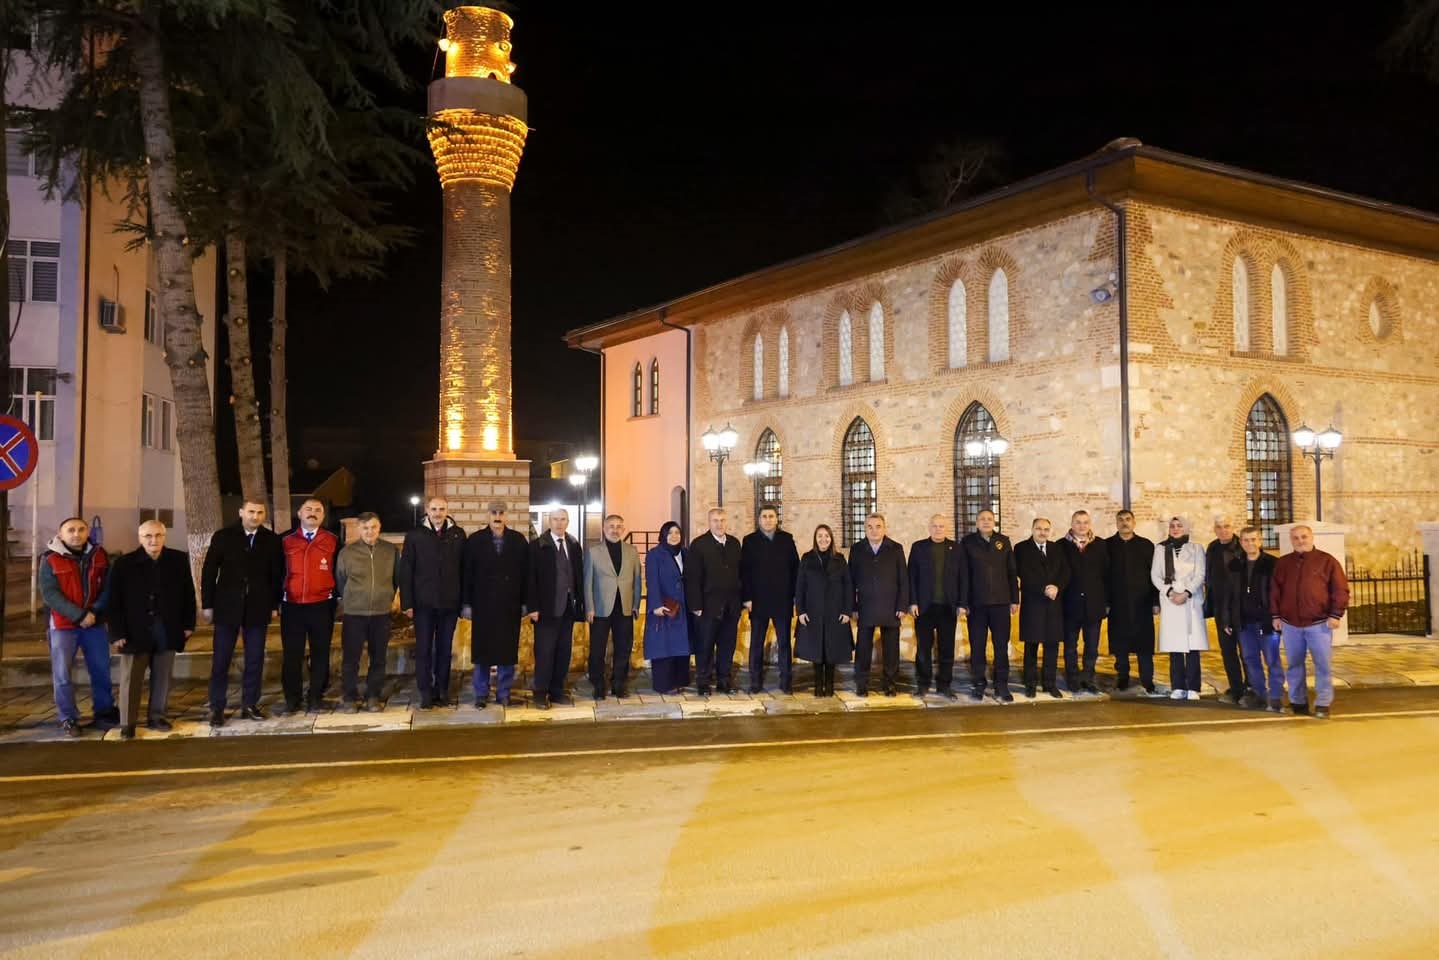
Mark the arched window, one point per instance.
(1279, 298)
(1267, 482)
(976, 470)
(769, 489)
(758, 366)
(1239, 287)
(846, 350)
(876, 342)
(784, 361)
(637, 392)
(998, 317)
(859, 491)
(958, 326)
(654, 387)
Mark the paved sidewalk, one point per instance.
(27, 714)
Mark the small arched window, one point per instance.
(784, 361)
(859, 485)
(1239, 288)
(769, 488)
(998, 317)
(654, 387)
(1279, 298)
(846, 350)
(958, 326)
(637, 392)
(876, 341)
(758, 366)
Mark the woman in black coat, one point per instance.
(822, 598)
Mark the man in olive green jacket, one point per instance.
(365, 583)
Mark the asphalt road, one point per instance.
(1125, 829)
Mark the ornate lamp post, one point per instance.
(990, 446)
(1318, 447)
(585, 465)
(757, 471)
(719, 444)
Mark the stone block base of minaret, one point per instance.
(470, 486)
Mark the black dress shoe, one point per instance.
(427, 702)
(621, 693)
(948, 694)
(599, 695)
(1121, 683)
(1029, 690)
(786, 688)
(976, 694)
(861, 693)
(542, 703)
(1090, 686)
(1004, 696)
(1054, 692)
(128, 732)
(702, 690)
(372, 705)
(481, 704)
(755, 688)
(1300, 709)
(160, 724)
(217, 718)
(723, 688)
(252, 713)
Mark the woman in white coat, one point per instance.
(1178, 574)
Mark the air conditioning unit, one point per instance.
(112, 316)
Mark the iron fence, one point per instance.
(1392, 600)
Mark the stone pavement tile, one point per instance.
(878, 701)
(810, 704)
(624, 710)
(555, 714)
(1423, 677)
(183, 730)
(1377, 678)
(461, 717)
(289, 724)
(722, 707)
(46, 733)
(364, 722)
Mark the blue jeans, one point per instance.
(1261, 659)
(504, 680)
(94, 644)
(1317, 641)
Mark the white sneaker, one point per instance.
(1176, 694)
(1193, 694)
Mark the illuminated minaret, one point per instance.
(477, 144)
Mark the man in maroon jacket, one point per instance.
(1308, 595)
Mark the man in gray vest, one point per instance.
(554, 599)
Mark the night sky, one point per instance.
(671, 150)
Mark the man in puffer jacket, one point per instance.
(75, 583)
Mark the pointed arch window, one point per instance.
(654, 387)
(846, 350)
(859, 485)
(637, 391)
(976, 474)
(958, 318)
(1268, 484)
(1239, 288)
(770, 488)
(1279, 300)
(758, 366)
(876, 341)
(784, 361)
(999, 317)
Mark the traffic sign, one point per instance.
(19, 452)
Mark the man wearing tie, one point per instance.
(308, 608)
(240, 585)
(1043, 574)
(554, 600)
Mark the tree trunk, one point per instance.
(184, 345)
(279, 432)
(242, 373)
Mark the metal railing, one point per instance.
(1392, 600)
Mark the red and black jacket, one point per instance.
(309, 565)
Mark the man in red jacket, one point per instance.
(308, 608)
(1308, 595)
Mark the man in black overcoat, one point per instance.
(1133, 602)
(713, 591)
(496, 570)
(1043, 574)
(1085, 600)
(241, 582)
(769, 566)
(881, 597)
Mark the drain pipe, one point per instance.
(689, 410)
(1122, 253)
(604, 460)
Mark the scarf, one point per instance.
(1078, 543)
(675, 548)
(1172, 547)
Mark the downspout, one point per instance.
(689, 410)
(1122, 253)
(604, 459)
(85, 323)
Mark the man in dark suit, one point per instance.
(555, 599)
(769, 567)
(881, 596)
(991, 598)
(936, 592)
(1085, 600)
(241, 582)
(712, 588)
(496, 568)
(1133, 602)
(1043, 574)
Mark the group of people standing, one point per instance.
(825, 607)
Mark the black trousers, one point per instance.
(714, 660)
(359, 634)
(759, 624)
(864, 655)
(1048, 676)
(620, 629)
(226, 636)
(1184, 670)
(299, 622)
(1074, 674)
(994, 621)
(1233, 665)
(934, 627)
(554, 642)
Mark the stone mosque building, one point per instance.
(1140, 328)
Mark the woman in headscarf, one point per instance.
(667, 632)
(1178, 574)
(823, 598)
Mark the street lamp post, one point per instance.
(990, 446)
(414, 509)
(757, 470)
(1318, 447)
(585, 465)
(719, 444)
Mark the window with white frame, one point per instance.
(759, 366)
(154, 329)
(958, 325)
(157, 423)
(998, 317)
(846, 350)
(18, 161)
(876, 341)
(34, 270)
(784, 362)
(1239, 287)
(1279, 298)
(37, 412)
